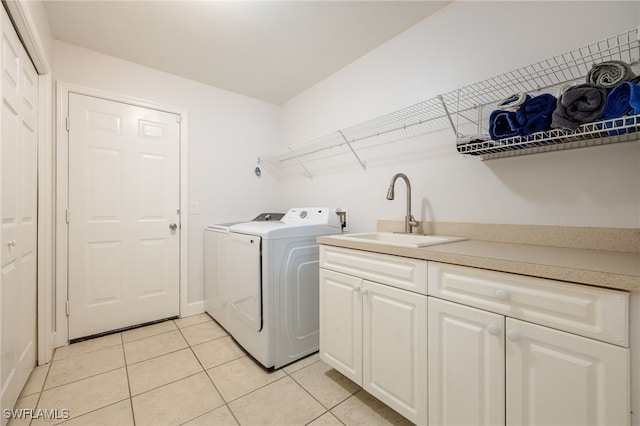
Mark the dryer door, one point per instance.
(244, 282)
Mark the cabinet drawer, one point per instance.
(400, 272)
(587, 311)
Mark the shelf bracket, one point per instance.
(446, 111)
(306, 171)
(353, 151)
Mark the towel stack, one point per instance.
(611, 91)
(530, 115)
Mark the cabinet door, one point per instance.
(341, 323)
(556, 378)
(466, 365)
(395, 349)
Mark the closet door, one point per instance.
(18, 231)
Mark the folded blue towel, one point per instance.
(503, 124)
(623, 100)
(535, 114)
(619, 126)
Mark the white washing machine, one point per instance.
(216, 242)
(273, 284)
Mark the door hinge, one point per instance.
(67, 308)
(68, 216)
(68, 123)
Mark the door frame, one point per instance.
(62, 197)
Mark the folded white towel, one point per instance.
(465, 139)
(513, 102)
(608, 74)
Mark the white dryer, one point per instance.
(216, 242)
(273, 284)
(216, 238)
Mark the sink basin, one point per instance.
(400, 240)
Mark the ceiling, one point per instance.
(268, 50)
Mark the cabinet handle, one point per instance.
(363, 291)
(502, 294)
(357, 289)
(493, 330)
(513, 335)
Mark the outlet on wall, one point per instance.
(344, 210)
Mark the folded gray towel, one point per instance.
(608, 74)
(578, 105)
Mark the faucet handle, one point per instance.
(412, 222)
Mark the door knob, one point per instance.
(11, 243)
(173, 226)
(493, 329)
(513, 335)
(502, 294)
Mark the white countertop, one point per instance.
(610, 269)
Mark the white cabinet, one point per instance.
(593, 312)
(558, 378)
(503, 349)
(466, 365)
(376, 335)
(488, 368)
(394, 348)
(341, 323)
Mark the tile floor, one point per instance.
(190, 372)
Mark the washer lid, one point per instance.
(297, 222)
(273, 230)
(220, 226)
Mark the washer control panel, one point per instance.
(310, 216)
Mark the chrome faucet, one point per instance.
(409, 221)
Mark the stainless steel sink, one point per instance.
(400, 240)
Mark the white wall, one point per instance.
(463, 43)
(226, 131)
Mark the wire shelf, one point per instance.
(545, 74)
(465, 106)
(598, 133)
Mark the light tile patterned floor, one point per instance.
(191, 372)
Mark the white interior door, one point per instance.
(18, 237)
(124, 181)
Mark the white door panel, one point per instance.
(394, 354)
(124, 195)
(466, 365)
(556, 378)
(18, 239)
(245, 285)
(341, 323)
